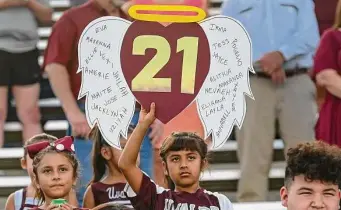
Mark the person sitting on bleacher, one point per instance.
(312, 175)
(25, 198)
(19, 67)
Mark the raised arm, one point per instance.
(127, 162)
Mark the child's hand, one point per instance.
(147, 117)
(66, 206)
(52, 207)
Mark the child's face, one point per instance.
(304, 195)
(184, 167)
(55, 175)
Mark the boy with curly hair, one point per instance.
(312, 176)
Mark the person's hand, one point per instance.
(326, 77)
(278, 76)
(66, 206)
(79, 124)
(145, 117)
(156, 133)
(52, 207)
(271, 61)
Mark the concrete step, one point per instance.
(13, 134)
(218, 178)
(10, 157)
(228, 152)
(224, 177)
(49, 111)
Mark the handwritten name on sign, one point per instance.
(221, 101)
(109, 102)
(207, 62)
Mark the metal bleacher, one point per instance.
(222, 174)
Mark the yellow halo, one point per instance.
(167, 18)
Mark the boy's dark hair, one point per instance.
(38, 138)
(98, 162)
(317, 161)
(178, 141)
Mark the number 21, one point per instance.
(145, 81)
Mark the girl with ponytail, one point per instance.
(107, 184)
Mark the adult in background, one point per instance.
(19, 68)
(284, 37)
(327, 74)
(61, 64)
(325, 14)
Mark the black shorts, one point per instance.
(19, 68)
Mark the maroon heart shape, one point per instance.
(170, 97)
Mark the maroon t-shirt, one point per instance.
(152, 196)
(328, 56)
(104, 193)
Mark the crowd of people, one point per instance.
(292, 51)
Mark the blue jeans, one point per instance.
(83, 152)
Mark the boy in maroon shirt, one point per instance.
(61, 64)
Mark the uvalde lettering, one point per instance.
(169, 205)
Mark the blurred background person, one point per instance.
(327, 74)
(19, 68)
(325, 14)
(284, 39)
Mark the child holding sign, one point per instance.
(55, 170)
(188, 120)
(184, 158)
(111, 187)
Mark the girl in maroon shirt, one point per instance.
(109, 188)
(55, 169)
(184, 158)
(327, 73)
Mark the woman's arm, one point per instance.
(331, 80)
(41, 11)
(127, 161)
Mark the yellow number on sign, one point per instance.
(189, 62)
(145, 81)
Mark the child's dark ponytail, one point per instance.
(98, 162)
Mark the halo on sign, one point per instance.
(133, 12)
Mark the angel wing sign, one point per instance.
(192, 59)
